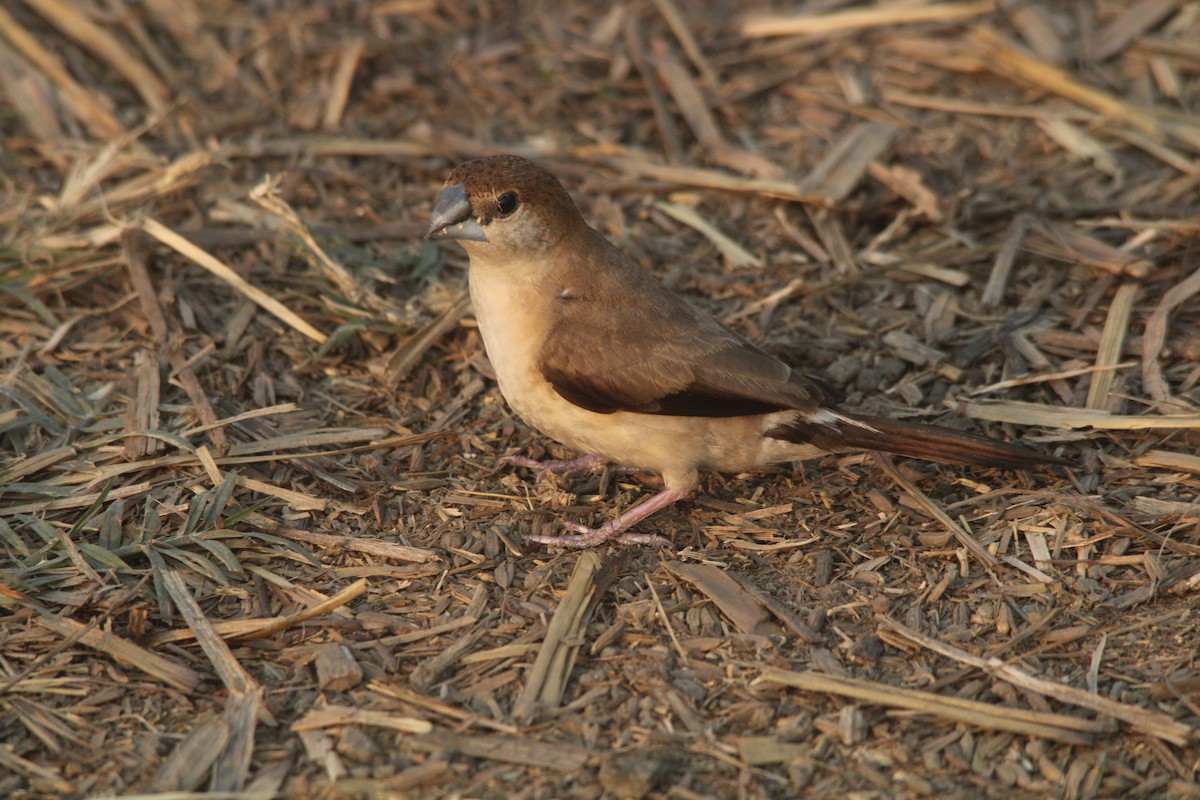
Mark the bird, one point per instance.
(593, 351)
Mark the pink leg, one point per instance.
(615, 528)
(576, 466)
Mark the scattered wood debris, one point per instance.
(257, 538)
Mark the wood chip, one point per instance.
(188, 764)
(510, 749)
(742, 608)
(843, 167)
(337, 670)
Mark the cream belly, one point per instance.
(672, 446)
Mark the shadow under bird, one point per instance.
(594, 352)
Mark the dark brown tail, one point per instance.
(913, 439)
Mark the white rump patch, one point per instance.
(830, 418)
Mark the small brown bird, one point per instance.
(594, 352)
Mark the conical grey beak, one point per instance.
(452, 217)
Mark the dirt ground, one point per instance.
(257, 539)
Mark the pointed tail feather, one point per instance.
(863, 432)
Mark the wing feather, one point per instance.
(656, 354)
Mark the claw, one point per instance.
(577, 466)
(593, 537)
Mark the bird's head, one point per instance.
(502, 207)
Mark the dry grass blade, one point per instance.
(934, 510)
(99, 121)
(410, 352)
(712, 179)
(254, 413)
(37, 462)
(333, 147)
(1168, 155)
(76, 500)
(301, 501)
(186, 25)
(1132, 23)
(546, 680)
(1026, 380)
(231, 673)
(250, 629)
(19, 79)
(909, 184)
(1082, 146)
(400, 552)
(833, 239)
(343, 78)
(734, 254)
(330, 716)
(1037, 28)
(1006, 59)
(665, 123)
(42, 777)
(1066, 418)
(1150, 723)
(267, 197)
(692, 106)
(462, 718)
(71, 21)
(232, 767)
(148, 184)
(427, 673)
(324, 438)
(954, 105)
(1005, 258)
(1156, 335)
(135, 262)
(1057, 727)
(1112, 344)
(1154, 507)
(763, 25)
(157, 666)
(1067, 243)
(142, 414)
(670, 12)
(1165, 459)
(244, 703)
(185, 248)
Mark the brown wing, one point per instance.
(637, 347)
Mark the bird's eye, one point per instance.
(508, 203)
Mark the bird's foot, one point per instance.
(575, 466)
(617, 529)
(585, 537)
